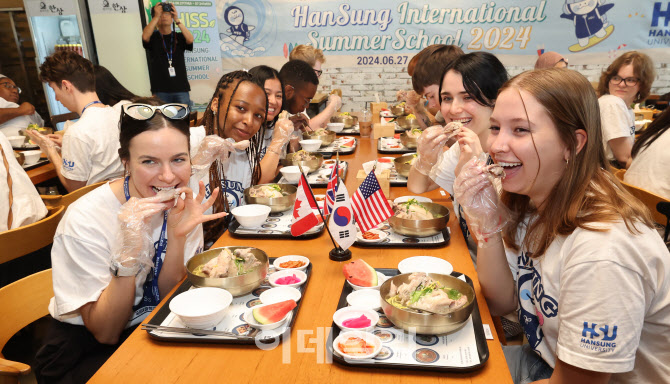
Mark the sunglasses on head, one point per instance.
(139, 111)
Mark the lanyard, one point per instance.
(89, 104)
(173, 46)
(151, 295)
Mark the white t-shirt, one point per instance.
(649, 169)
(81, 254)
(237, 171)
(91, 146)
(27, 206)
(617, 120)
(12, 127)
(599, 301)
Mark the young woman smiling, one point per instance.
(584, 266)
(277, 133)
(238, 111)
(626, 81)
(467, 92)
(121, 248)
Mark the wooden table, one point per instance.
(42, 173)
(141, 359)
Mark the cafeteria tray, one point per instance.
(333, 147)
(353, 131)
(425, 345)
(396, 180)
(240, 304)
(25, 147)
(316, 179)
(391, 120)
(384, 143)
(396, 240)
(33, 166)
(276, 226)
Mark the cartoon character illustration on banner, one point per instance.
(239, 32)
(591, 25)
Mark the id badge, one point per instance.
(172, 72)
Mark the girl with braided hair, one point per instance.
(238, 111)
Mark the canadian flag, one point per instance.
(304, 218)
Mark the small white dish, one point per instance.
(427, 264)
(31, 157)
(302, 276)
(365, 298)
(310, 145)
(369, 338)
(347, 313)
(381, 278)
(279, 294)
(251, 215)
(286, 258)
(292, 173)
(201, 308)
(335, 127)
(382, 235)
(249, 318)
(16, 141)
(420, 199)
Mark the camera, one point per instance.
(167, 7)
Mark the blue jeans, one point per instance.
(175, 97)
(525, 365)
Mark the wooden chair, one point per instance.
(66, 200)
(651, 200)
(24, 240)
(55, 119)
(22, 303)
(193, 119)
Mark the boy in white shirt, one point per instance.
(90, 145)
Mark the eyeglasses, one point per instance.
(139, 111)
(629, 81)
(10, 86)
(318, 72)
(563, 60)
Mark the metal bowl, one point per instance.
(407, 141)
(422, 228)
(405, 123)
(398, 110)
(348, 120)
(276, 204)
(20, 157)
(313, 165)
(326, 139)
(401, 167)
(428, 323)
(238, 285)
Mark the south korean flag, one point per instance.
(341, 223)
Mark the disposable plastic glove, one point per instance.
(334, 101)
(474, 191)
(213, 148)
(281, 135)
(430, 147)
(42, 140)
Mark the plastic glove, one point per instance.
(413, 99)
(474, 191)
(134, 246)
(335, 102)
(281, 135)
(300, 122)
(213, 148)
(430, 147)
(401, 95)
(42, 140)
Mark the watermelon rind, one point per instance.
(272, 313)
(360, 273)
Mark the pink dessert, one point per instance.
(286, 280)
(358, 322)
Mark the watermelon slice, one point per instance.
(272, 313)
(360, 273)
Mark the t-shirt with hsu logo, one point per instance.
(599, 301)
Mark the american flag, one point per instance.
(329, 201)
(369, 204)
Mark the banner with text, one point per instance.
(376, 32)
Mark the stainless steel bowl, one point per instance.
(422, 228)
(20, 157)
(405, 123)
(428, 323)
(401, 167)
(313, 165)
(348, 120)
(276, 204)
(326, 139)
(238, 285)
(398, 110)
(407, 141)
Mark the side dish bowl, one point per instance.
(276, 204)
(201, 308)
(422, 228)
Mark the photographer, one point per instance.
(167, 69)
